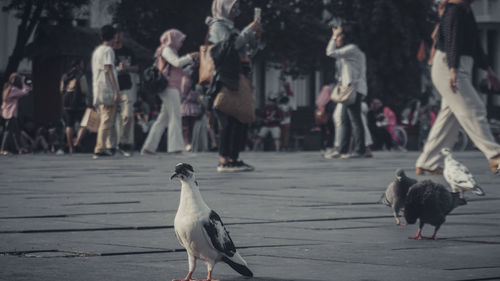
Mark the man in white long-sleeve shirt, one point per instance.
(352, 72)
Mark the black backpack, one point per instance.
(154, 82)
(71, 93)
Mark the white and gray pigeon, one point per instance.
(395, 194)
(201, 231)
(458, 176)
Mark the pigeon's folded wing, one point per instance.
(218, 235)
(459, 174)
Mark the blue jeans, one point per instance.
(352, 125)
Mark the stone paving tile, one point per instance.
(297, 217)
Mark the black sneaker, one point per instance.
(225, 168)
(101, 154)
(125, 149)
(242, 166)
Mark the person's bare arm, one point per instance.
(129, 68)
(108, 69)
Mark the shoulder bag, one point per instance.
(239, 104)
(207, 65)
(344, 94)
(154, 80)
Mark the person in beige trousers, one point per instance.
(458, 48)
(105, 91)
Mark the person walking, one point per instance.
(170, 113)
(13, 90)
(288, 105)
(352, 72)
(457, 49)
(105, 90)
(127, 70)
(74, 89)
(190, 111)
(232, 131)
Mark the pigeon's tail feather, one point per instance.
(382, 200)
(478, 190)
(240, 268)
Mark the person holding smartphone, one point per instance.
(13, 90)
(221, 27)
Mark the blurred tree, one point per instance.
(146, 20)
(295, 31)
(30, 13)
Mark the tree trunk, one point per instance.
(14, 60)
(29, 21)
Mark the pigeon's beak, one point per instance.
(174, 175)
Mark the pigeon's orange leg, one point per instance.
(417, 236)
(187, 278)
(209, 277)
(433, 237)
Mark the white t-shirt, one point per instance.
(102, 89)
(287, 109)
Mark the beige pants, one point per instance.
(126, 119)
(106, 127)
(462, 108)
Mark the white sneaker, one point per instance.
(147, 152)
(125, 153)
(334, 154)
(225, 168)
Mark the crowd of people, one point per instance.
(352, 124)
(456, 48)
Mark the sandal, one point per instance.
(420, 171)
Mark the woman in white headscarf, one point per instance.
(221, 28)
(170, 113)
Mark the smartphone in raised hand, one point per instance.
(257, 14)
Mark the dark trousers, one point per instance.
(11, 128)
(381, 137)
(352, 125)
(327, 134)
(187, 128)
(232, 136)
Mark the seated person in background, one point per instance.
(382, 121)
(33, 137)
(271, 119)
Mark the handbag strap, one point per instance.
(206, 39)
(164, 65)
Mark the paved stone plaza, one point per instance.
(297, 217)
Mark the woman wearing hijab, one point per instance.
(221, 28)
(170, 113)
(13, 90)
(457, 48)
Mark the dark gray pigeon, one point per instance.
(430, 203)
(395, 194)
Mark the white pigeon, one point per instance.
(201, 231)
(458, 176)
